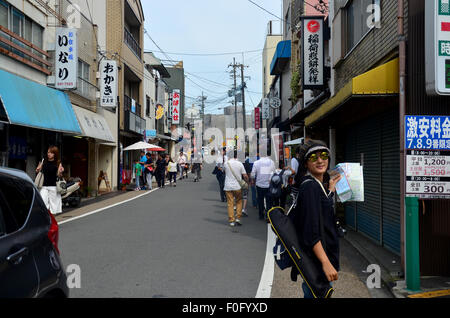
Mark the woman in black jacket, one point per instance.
(317, 234)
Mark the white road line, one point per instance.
(265, 284)
(107, 207)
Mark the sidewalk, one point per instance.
(392, 276)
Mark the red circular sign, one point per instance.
(313, 26)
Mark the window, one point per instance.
(28, 30)
(37, 35)
(356, 22)
(3, 14)
(16, 197)
(147, 107)
(17, 22)
(83, 82)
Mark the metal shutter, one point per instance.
(369, 211)
(390, 181)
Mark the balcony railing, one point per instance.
(128, 104)
(134, 123)
(132, 43)
(24, 51)
(86, 89)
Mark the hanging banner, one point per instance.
(175, 113)
(257, 118)
(313, 52)
(66, 58)
(265, 108)
(108, 83)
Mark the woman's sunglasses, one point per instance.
(314, 157)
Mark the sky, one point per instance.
(200, 27)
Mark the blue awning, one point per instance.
(34, 105)
(281, 57)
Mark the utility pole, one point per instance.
(203, 98)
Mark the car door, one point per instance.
(18, 273)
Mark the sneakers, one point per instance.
(238, 222)
(232, 224)
(244, 213)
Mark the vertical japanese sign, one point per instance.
(437, 47)
(257, 118)
(176, 98)
(108, 83)
(427, 156)
(313, 52)
(265, 108)
(66, 58)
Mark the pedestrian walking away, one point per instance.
(234, 174)
(172, 170)
(261, 172)
(313, 217)
(52, 169)
(160, 171)
(197, 166)
(220, 173)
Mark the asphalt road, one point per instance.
(173, 242)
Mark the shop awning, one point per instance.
(281, 57)
(93, 125)
(380, 81)
(30, 104)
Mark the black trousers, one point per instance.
(263, 193)
(160, 178)
(221, 178)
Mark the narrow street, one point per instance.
(173, 242)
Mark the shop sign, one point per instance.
(175, 113)
(257, 118)
(159, 111)
(437, 47)
(108, 83)
(66, 58)
(427, 132)
(313, 52)
(265, 108)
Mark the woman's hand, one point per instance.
(333, 182)
(330, 271)
(39, 167)
(60, 170)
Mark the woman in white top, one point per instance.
(172, 169)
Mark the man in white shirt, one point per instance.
(262, 171)
(234, 173)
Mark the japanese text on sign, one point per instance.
(428, 174)
(313, 76)
(66, 59)
(108, 85)
(427, 132)
(176, 98)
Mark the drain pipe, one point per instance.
(402, 111)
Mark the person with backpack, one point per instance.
(278, 188)
(313, 216)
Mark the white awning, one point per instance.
(93, 125)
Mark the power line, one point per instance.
(214, 54)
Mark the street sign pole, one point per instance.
(412, 244)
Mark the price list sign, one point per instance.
(427, 140)
(428, 174)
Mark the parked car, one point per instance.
(30, 265)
